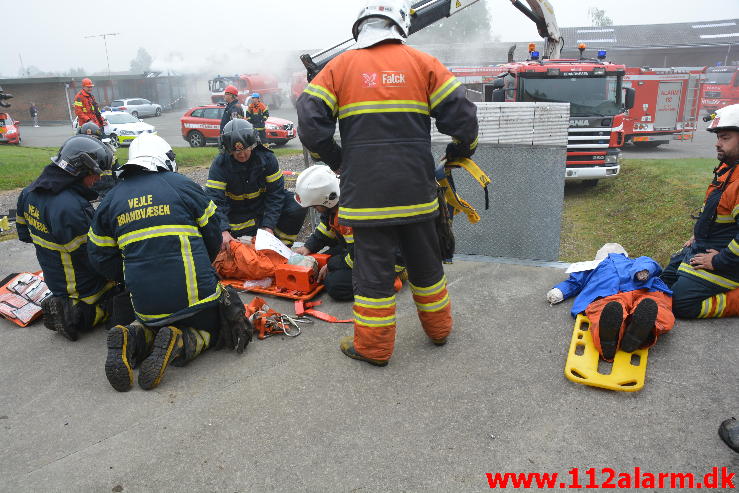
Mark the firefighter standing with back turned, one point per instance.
(384, 94)
(85, 106)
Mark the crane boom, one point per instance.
(542, 13)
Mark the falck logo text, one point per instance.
(386, 78)
(369, 80)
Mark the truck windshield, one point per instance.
(588, 96)
(219, 85)
(721, 78)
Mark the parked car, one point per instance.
(123, 128)
(202, 124)
(138, 108)
(10, 132)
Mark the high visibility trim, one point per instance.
(69, 275)
(244, 225)
(191, 280)
(720, 305)
(19, 220)
(349, 260)
(209, 211)
(349, 238)
(374, 321)
(246, 196)
(314, 155)
(725, 218)
(707, 276)
(325, 231)
(733, 247)
(107, 173)
(386, 106)
(735, 211)
(324, 94)
(156, 231)
(78, 103)
(214, 296)
(218, 185)
(705, 308)
(284, 236)
(443, 91)
(67, 247)
(388, 212)
(474, 143)
(101, 241)
(274, 176)
(435, 306)
(399, 268)
(365, 302)
(435, 288)
(94, 297)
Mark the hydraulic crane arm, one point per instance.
(423, 14)
(542, 13)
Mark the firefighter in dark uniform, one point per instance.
(257, 113)
(384, 94)
(245, 182)
(233, 109)
(704, 276)
(54, 213)
(157, 230)
(107, 180)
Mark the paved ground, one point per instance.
(296, 415)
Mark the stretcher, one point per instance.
(628, 370)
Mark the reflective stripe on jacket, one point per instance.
(247, 194)
(159, 231)
(383, 98)
(257, 114)
(87, 110)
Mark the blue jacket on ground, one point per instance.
(615, 274)
(158, 231)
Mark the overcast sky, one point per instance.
(189, 35)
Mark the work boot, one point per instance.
(347, 347)
(57, 317)
(128, 345)
(641, 326)
(168, 345)
(609, 326)
(729, 433)
(439, 342)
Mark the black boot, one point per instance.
(171, 346)
(128, 345)
(729, 433)
(611, 319)
(59, 316)
(641, 326)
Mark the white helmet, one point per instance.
(397, 11)
(317, 185)
(152, 153)
(727, 118)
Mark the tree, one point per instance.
(142, 62)
(599, 18)
(471, 25)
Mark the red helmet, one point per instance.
(231, 90)
(87, 82)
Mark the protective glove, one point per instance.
(235, 329)
(456, 150)
(642, 275)
(555, 296)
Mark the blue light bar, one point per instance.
(534, 55)
(601, 54)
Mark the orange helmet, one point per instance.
(231, 90)
(87, 82)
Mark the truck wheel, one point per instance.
(195, 139)
(590, 183)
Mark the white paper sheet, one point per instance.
(268, 241)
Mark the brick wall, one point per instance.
(49, 98)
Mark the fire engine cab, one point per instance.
(721, 88)
(247, 84)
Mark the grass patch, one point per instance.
(20, 165)
(646, 209)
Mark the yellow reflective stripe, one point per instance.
(733, 246)
(386, 106)
(399, 268)
(720, 305)
(274, 176)
(374, 321)
(707, 276)
(284, 236)
(388, 212)
(474, 143)
(705, 306)
(94, 297)
(209, 211)
(724, 218)
(443, 91)
(429, 290)
(67, 247)
(314, 155)
(78, 103)
(102, 241)
(325, 231)
(214, 296)
(365, 302)
(188, 262)
(735, 211)
(156, 231)
(246, 196)
(435, 306)
(244, 225)
(69, 274)
(324, 94)
(218, 185)
(20, 220)
(349, 261)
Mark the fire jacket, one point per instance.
(231, 111)
(330, 233)
(54, 213)
(615, 274)
(717, 228)
(157, 231)
(384, 97)
(86, 109)
(247, 194)
(257, 114)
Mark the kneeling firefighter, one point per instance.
(157, 226)
(107, 179)
(54, 213)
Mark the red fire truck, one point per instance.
(298, 82)
(247, 84)
(665, 105)
(593, 87)
(721, 88)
